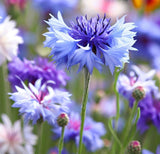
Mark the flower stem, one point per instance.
(117, 72)
(60, 146)
(40, 136)
(129, 124)
(6, 88)
(113, 133)
(83, 108)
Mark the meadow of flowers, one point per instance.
(80, 76)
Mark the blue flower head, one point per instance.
(40, 101)
(90, 42)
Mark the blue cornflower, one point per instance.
(90, 43)
(40, 102)
(92, 132)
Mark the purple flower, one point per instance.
(150, 113)
(126, 84)
(92, 132)
(90, 43)
(40, 102)
(30, 71)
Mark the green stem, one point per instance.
(60, 146)
(117, 72)
(113, 133)
(83, 109)
(40, 136)
(6, 88)
(129, 124)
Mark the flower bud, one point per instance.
(99, 95)
(138, 93)
(134, 147)
(62, 120)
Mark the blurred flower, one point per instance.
(2, 12)
(110, 6)
(29, 138)
(150, 113)
(55, 151)
(30, 71)
(13, 138)
(92, 132)
(91, 7)
(148, 41)
(19, 3)
(126, 84)
(90, 43)
(9, 40)
(52, 6)
(146, 5)
(106, 107)
(144, 151)
(40, 102)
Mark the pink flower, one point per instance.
(19, 3)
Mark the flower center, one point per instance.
(93, 32)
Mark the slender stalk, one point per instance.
(113, 133)
(6, 88)
(40, 136)
(83, 108)
(60, 146)
(129, 125)
(117, 72)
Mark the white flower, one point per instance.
(30, 139)
(9, 40)
(12, 139)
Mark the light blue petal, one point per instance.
(85, 57)
(57, 24)
(115, 57)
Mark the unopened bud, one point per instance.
(138, 93)
(99, 95)
(62, 120)
(134, 147)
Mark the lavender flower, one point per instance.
(90, 43)
(30, 71)
(40, 102)
(150, 114)
(92, 132)
(14, 139)
(126, 84)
